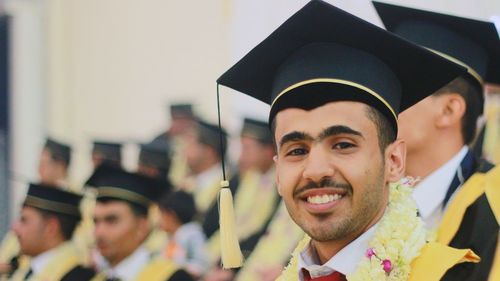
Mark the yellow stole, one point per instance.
(473, 188)
(158, 269)
(9, 247)
(65, 259)
(435, 259)
(253, 205)
(492, 190)
(206, 196)
(274, 248)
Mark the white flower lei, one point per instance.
(398, 239)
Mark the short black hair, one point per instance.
(137, 210)
(471, 93)
(385, 131)
(181, 203)
(67, 223)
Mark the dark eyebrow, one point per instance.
(294, 136)
(338, 130)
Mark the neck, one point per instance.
(422, 162)
(206, 165)
(50, 244)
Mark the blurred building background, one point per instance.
(78, 70)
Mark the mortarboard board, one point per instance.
(181, 110)
(114, 183)
(156, 153)
(53, 199)
(323, 54)
(471, 43)
(58, 150)
(257, 129)
(110, 151)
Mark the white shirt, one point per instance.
(192, 251)
(345, 261)
(39, 262)
(429, 194)
(206, 178)
(129, 268)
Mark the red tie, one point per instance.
(334, 276)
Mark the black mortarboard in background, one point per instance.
(472, 43)
(212, 135)
(113, 183)
(257, 129)
(323, 54)
(181, 203)
(58, 150)
(53, 199)
(110, 151)
(156, 153)
(182, 110)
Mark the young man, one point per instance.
(122, 226)
(48, 219)
(452, 196)
(336, 85)
(202, 150)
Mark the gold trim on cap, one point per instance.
(337, 81)
(470, 70)
(53, 206)
(120, 193)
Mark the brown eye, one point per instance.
(343, 145)
(296, 152)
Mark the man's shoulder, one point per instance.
(436, 259)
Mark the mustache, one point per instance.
(323, 183)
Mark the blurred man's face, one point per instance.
(47, 168)
(118, 231)
(251, 154)
(31, 231)
(194, 151)
(180, 125)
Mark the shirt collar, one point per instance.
(345, 261)
(130, 267)
(429, 194)
(40, 261)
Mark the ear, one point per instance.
(52, 226)
(275, 159)
(395, 159)
(452, 110)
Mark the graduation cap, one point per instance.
(110, 151)
(257, 129)
(156, 153)
(471, 43)
(181, 110)
(181, 203)
(58, 150)
(113, 183)
(53, 199)
(323, 54)
(212, 135)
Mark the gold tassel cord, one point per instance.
(230, 248)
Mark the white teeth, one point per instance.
(323, 199)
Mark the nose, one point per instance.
(317, 165)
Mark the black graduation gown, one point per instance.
(479, 232)
(79, 273)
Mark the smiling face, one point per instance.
(331, 172)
